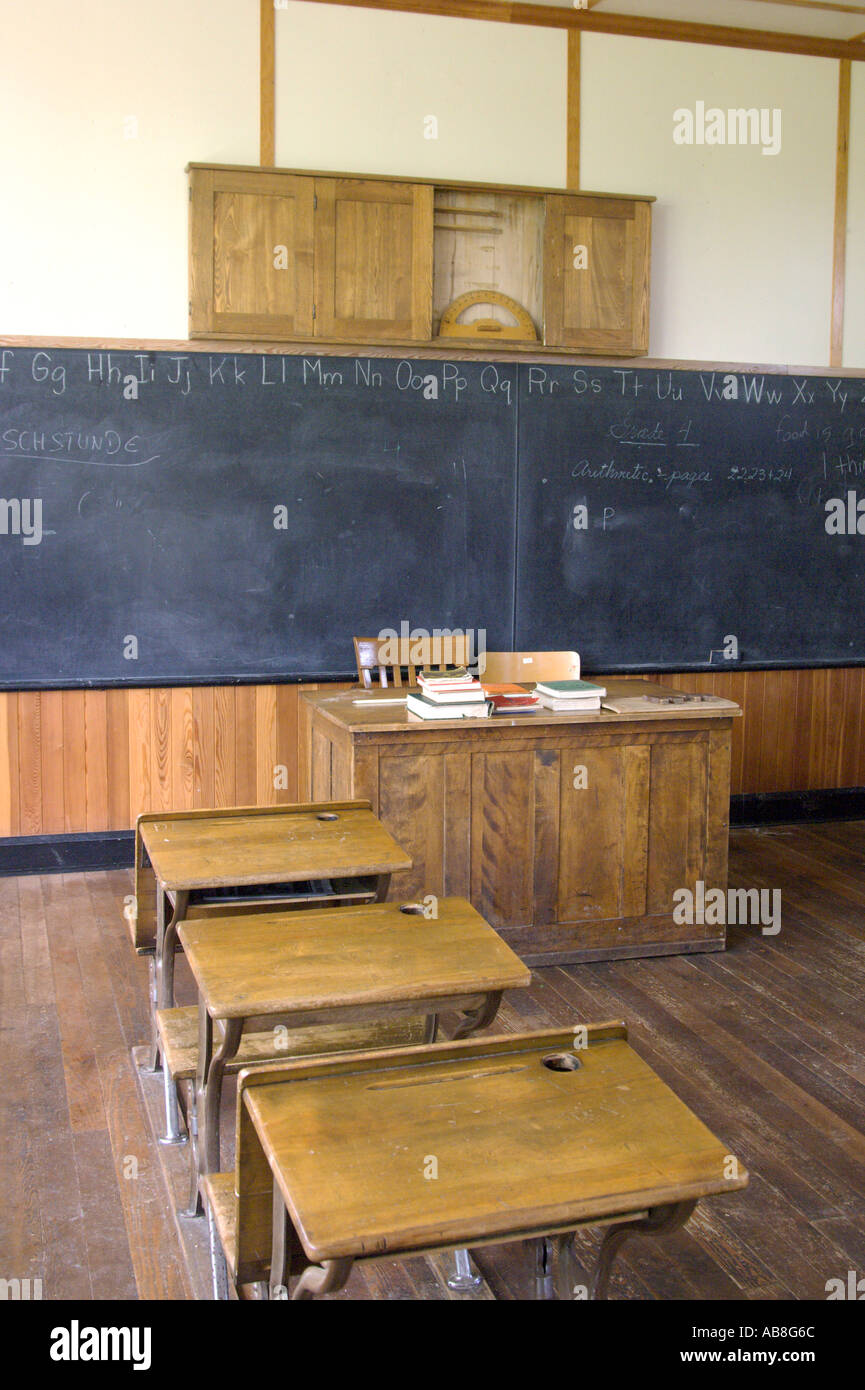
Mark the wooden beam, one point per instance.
(842, 179)
(631, 26)
(816, 5)
(574, 126)
(267, 80)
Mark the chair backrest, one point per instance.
(382, 660)
(530, 666)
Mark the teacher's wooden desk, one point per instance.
(568, 833)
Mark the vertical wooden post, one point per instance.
(574, 37)
(842, 177)
(267, 105)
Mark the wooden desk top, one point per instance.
(371, 712)
(285, 847)
(519, 1148)
(346, 957)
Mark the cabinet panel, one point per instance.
(678, 830)
(373, 259)
(596, 263)
(251, 254)
(503, 800)
(411, 805)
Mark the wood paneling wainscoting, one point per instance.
(93, 760)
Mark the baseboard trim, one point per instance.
(67, 854)
(115, 849)
(776, 808)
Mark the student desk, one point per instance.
(186, 863)
(568, 833)
(531, 1137)
(337, 966)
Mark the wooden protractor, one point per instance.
(522, 328)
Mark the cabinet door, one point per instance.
(251, 253)
(373, 259)
(596, 274)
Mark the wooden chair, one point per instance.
(523, 667)
(390, 656)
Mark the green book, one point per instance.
(565, 690)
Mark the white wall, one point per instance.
(854, 323)
(742, 263)
(93, 231)
(355, 85)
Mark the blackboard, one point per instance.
(703, 541)
(161, 479)
(182, 517)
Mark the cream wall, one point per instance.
(742, 256)
(93, 227)
(93, 233)
(854, 325)
(355, 85)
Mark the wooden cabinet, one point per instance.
(596, 283)
(284, 255)
(250, 254)
(372, 259)
(570, 837)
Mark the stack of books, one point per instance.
(510, 699)
(448, 695)
(575, 696)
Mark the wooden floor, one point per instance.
(765, 1042)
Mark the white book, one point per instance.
(475, 710)
(572, 706)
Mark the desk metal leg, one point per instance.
(320, 1279)
(166, 945)
(173, 1132)
(211, 1068)
(659, 1221)
(463, 1280)
(479, 1018)
(544, 1268)
(154, 1057)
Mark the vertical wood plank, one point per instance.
(160, 749)
(96, 758)
(265, 745)
(267, 75)
(546, 831)
(30, 762)
(224, 777)
(182, 748)
(140, 793)
(802, 730)
(203, 747)
(53, 804)
(74, 762)
(752, 753)
(842, 181)
(119, 817)
(9, 811)
(635, 829)
(456, 809)
(287, 742)
(244, 744)
(574, 122)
